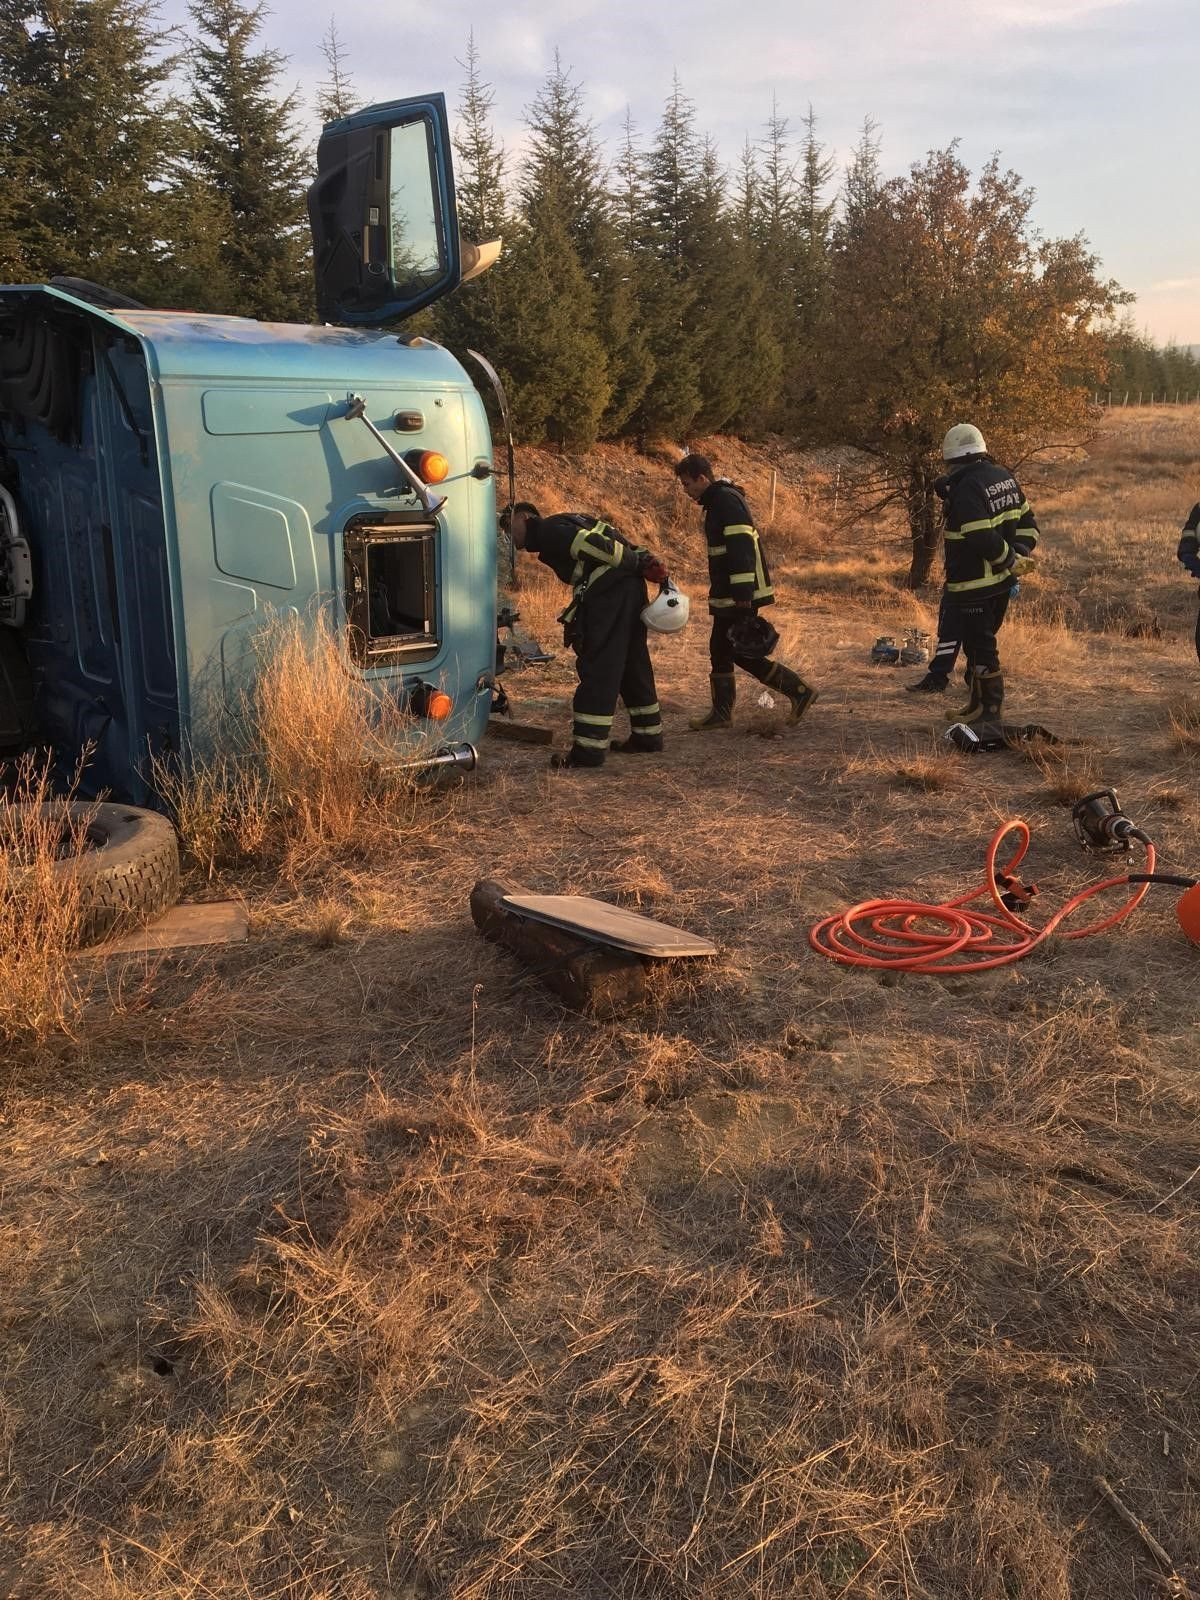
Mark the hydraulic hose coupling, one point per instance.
(1100, 824)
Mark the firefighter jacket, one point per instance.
(583, 551)
(989, 523)
(1189, 542)
(737, 568)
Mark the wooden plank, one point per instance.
(181, 928)
(602, 923)
(588, 976)
(522, 732)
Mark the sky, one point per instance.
(1096, 103)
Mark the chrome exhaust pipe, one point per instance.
(446, 758)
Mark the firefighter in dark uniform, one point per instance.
(990, 534)
(603, 624)
(739, 584)
(1189, 554)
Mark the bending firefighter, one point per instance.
(739, 585)
(990, 535)
(1189, 554)
(603, 624)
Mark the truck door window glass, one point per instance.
(416, 244)
(391, 594)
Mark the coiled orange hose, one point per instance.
(896, 935)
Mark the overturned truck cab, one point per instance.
(169, 481)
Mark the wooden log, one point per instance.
(589, 977)
(522, 732)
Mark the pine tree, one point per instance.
(569, 310)
(864, 177)
(480, 315)
(335, 96)
(672, 195)
(814, 223)
(246, 150)
(481, 160)
(558, 361)
(86, 133)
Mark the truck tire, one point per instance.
(129, 872)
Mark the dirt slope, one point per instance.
(349, 1264)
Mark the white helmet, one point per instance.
(964, 439)
(668, 611)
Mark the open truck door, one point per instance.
(384, 223)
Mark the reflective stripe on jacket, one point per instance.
(737, 567)
(582, 550)
(988, 523)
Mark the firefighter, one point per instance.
(739, 585)
(990, 536)
(603, 625)
(1189, 554)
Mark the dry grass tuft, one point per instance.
(1070, 772)
(929, 765)
(40, 993)
(1183, 717)
(312, 776)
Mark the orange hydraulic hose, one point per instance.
(889, 934)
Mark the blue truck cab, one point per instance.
(169, 479)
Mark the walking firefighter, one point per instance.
(990, 533)
(1189, 554)
(603, 625)
(739, 586)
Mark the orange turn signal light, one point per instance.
(430, 466)
(426, 701)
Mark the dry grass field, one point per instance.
(348, 1264)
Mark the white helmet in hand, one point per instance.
(964, 439)
(668, 611)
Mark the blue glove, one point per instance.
(1191, 564)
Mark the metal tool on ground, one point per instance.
(519, 651)
(974, 738)
(914, 652)
(595, 956)
(949, 939)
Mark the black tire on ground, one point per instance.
(129, 873)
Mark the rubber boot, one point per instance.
(974, 706)
(991, 688)
(584, 760)
(931, 683)
(724, 692)
(639, 744)
(800, 694)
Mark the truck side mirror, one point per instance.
(384, 224)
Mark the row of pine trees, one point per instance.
(647, 291)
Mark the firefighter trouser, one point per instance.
(1198, 635)
(613, 660)
(948, 643)
(722, 656)
(976, 621)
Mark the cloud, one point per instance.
(1050, 13)
(1175, 286)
